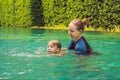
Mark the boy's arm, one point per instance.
(64, 49)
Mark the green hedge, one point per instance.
(15, 13)
(26, 13)
(37, 13)
(101, 13)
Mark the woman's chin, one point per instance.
(71, 37)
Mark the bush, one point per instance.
(26, 13)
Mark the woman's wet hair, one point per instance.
(80, 24)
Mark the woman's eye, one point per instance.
(71, 31)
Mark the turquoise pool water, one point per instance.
(18, 59)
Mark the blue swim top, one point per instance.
(80, 47)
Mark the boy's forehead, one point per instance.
(51, 44)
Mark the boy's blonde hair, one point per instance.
(56, 42)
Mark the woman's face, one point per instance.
(73, 32)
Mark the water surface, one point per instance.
(18, 59)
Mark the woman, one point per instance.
(78, 42)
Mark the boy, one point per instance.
(54, 48)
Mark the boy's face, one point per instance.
(52, 48)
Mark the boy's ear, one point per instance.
(58, 50)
